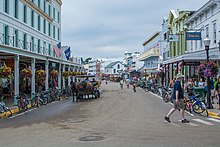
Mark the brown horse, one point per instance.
(83, 88)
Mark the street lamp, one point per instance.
(207, 43)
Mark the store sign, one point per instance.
(193, 36)
(173, 38)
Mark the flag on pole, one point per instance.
(67, 53)
(57, 49)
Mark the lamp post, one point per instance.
(207, 43)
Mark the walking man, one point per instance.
(178, 97)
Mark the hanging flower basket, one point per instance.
(5, 71)
(161, 74)
(65, 74)
(26, 73)
(73, 73)
(208, 69)
(54, 74)
(40, 75)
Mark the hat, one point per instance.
(179, 75)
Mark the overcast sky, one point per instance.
(108, 28)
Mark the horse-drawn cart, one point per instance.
(85, 87)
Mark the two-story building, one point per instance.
(30, 37)
(114, 68)
(206, 20)
(151, 54)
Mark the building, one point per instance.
(132, 64)
(177, 43)
(165, 45)
(114, 68)
(206, 20)
(30, 37)
(151, 54)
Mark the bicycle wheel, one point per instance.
(198, 108)
(166, 98)
(8, 112)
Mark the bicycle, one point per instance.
(4, 111)
(22, 102)
(36, 101)
(198, 106)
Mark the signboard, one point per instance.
(193, 36)
(173, 38)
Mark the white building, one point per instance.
(207, 21)
(114, 68)
(29, 32)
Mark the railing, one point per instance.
(18, 43)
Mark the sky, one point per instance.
(108, 28)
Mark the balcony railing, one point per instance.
(12, 41)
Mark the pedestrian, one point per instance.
(178, 96)
(201, 83)
(218, 90)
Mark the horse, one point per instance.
(81, 89)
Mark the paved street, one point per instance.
(120, 118)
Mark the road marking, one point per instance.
(20, 114)
(215, 120)
(203, 122)
(192, 124)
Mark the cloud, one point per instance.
(100, 28)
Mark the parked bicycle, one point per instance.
(22, 102)
(4, 111)
(37, 101)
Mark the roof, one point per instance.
(151, 38)
(111, 64)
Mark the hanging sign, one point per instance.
(193, 36)
(173, 38)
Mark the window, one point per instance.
(6, 6)
(24, 41)
(39, 23)
(32, 44)
(54, 13)
(58, 30)
(6, 34)
(38, 3)
(58, 17)
(38, 46)
(25, 14)
(16, 9)
(32, 18)
(49, 29)
(16, 38)
(201, 43)
(44, 26)
(114, 70)
(49, 11)
(49, 48)
(191, 45)
(118, 66)
(207, 31)
(214, 32)
(54, 32)
(44, 6)
(195, 45)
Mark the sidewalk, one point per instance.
(214, 112)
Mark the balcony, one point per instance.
(154, 52)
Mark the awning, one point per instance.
(214, 54)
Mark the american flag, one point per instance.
(57, 49)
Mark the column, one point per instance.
(63, 77)
(47, 75)
(33, 77)
(59, 77)
(16, 77)
(69, 76)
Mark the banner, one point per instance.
(57, 49)
(67, 53)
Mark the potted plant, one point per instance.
(26, 73)
(5, 71)
(40, 75)
(54, 74)
(65, 74)
(208, 69)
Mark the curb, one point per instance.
(214, 115)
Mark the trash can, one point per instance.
(201, 92)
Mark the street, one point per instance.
(120, 118)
